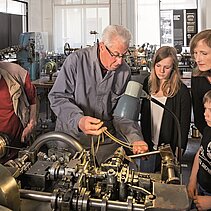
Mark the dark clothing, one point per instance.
(199, 86)
(180, 105)
(204, 172)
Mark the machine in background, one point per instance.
(32, 44)
(29, 53)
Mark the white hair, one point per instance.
(111, 32)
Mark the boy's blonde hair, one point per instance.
(207, 97)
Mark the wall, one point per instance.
(41, 18)
(204, 14)
(122, 12)
(208, 14)
(11, 27)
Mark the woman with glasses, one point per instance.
(200, 48)
(158, 125)
(86, 92)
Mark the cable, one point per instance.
(124, 144)
(92, 151)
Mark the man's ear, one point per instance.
(101, 46)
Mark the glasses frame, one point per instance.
(123, 56)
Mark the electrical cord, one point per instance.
(122, 143)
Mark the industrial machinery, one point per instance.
(9, 53)
(50, 69)
(140, 57)
(27, 53)
(31, 45)
(69, 180)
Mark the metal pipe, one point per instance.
(114, 205)
(42, 139)
(145, 154)
(92, 202)
(36, 195)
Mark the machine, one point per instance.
(58, 179)
(28, 53)
(32, 44)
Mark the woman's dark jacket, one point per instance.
(199, 86)
(180, 105)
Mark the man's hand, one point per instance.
(91, 126)
(202, 202)
(192, 189)
(31, 124)
(26, 132)
(140, 147)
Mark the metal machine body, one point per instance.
(32, 44)
(62, 180)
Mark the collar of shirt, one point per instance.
(103, 69)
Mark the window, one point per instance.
(13, 22)
(79, 22)
(178, 4)
(16, 8)
(148, 27)
(155, 20)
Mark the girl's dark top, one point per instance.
(180, 105)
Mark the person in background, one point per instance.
(200, 49)
(87, 90)
(201, 169)
(158, 125)
(17, 107)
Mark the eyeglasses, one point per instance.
(122, 56)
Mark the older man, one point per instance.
(87, 90)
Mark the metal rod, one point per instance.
(145, 154)
(95, 203)
(10, 147)
(36, 195)
(115, 205)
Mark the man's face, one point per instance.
(112, 57)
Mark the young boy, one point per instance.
(201, 170)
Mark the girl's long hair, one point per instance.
(171, 86)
